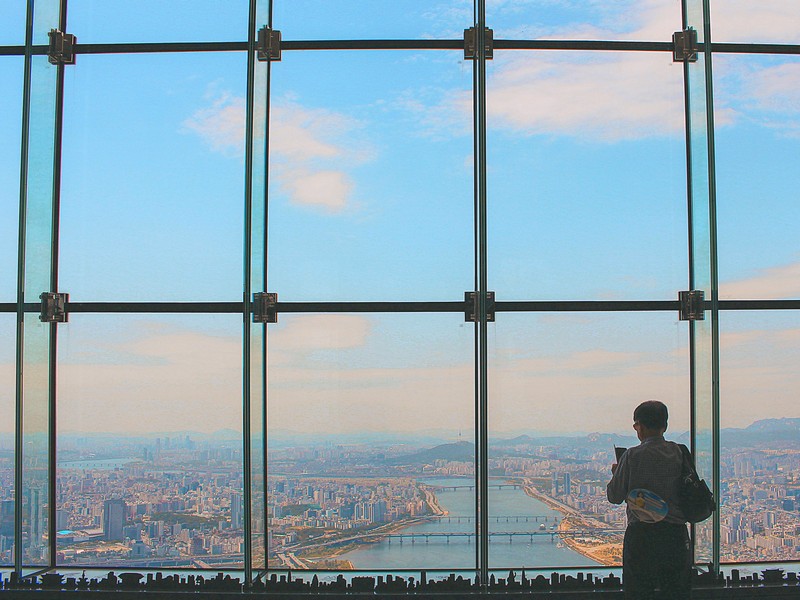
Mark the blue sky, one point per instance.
(371, 199)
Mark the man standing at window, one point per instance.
(656, 551)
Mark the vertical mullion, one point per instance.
(23, 187)
(482, 416)
(246, 311)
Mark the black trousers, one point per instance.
(656, 556)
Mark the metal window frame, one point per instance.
(245, 307)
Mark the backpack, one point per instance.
(694, 498)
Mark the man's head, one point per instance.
(650, 418)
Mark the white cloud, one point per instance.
(775, 21)
(166, 379)
(779, 282)
(311, 150)
(307, 333)
(608, 97)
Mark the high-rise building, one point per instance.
(236, 510)
(113, 519)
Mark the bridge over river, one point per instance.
(496, 518)
(499, 535)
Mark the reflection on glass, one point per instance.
(759, 468)
(562, 390)
(654, 20)
(587, 173)
(768, 21)
(371, 453)
(371, 177)
(152, 198)
(371, 19)
(7, 409)
(100, 21)
(10, 136)
(757, 106)
(150, 442)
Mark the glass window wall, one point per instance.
(146, 447)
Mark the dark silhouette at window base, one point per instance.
(768, 582)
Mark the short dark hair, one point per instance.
(652, 414)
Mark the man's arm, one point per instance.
(617, 488)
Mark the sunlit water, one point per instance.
(459, 553)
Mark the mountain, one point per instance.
(783, 425)
(460, 451)
(764, 431)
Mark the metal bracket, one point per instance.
(62, 48)
(54, 307)
(684, 46)
(692, 305)
(268, 45)
(264, 307)
(471, 43)
(471, 309)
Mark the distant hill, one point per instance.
(459, 451)
(762, 432)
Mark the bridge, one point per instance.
(500, 535)
(497, 519)
(494, 486)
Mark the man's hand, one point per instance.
(613, 468)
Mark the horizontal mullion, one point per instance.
(586, 305)
(359, 307)
(154, 307)
(414, 44)
(727, 47)
(363, 307)
(758, 304)
(583, 45)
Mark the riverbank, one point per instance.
(606, 550)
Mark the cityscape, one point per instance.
(177, 500)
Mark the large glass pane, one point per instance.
(758, 185)
(10, 136)
(766, 21)
(653, 20)
(150, 441)
(153, 188)
(760, 420)
(586, 176)
(7, 425)
(12, 22)
(563, 388)
(371, 19)
(118, 21)
(371, 440)
(35, 342)
(371, 177)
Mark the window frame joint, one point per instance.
(54, 307)
(61, 50)
(692, 305)
(265, 307)
(268, 45)
(471, 308)
(684, 46)
(471, 43)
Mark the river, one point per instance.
(540, 551)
